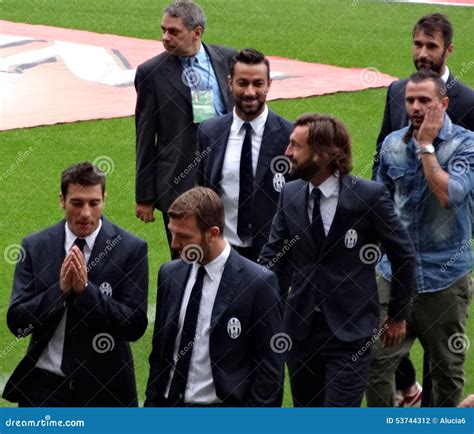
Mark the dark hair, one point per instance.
(82, 174)
(427, 74)
(432, 23)
(190, 13)
(204, 204)
(250, 56)
(328, 135)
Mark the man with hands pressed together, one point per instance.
(80, 289)
(429, 169)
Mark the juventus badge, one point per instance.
(234, 328)
(278, 182)
(106, 289)
(350, 239)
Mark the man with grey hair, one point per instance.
(176, 90)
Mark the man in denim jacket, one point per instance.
(429, 169)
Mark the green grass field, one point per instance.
(344, 33)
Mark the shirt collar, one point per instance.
(214, 268)
(90, 239)
(328, 187)
(200, 57)
(258, 124)
(445, 76)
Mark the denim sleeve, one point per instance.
(461, 173)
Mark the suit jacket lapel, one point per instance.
(103, 247)
(230, 280)
(57, 237)
(338, 224)
(452, 88)
(221, 71)
(219, 148)
(269, 142)
(175, 76)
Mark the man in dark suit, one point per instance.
(327, 227)
(247, 169)
(175, 91)
(432, 45)
(80, 289)
(218, 317)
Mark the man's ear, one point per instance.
(229, 82)
(214, 232)
(449, 50)
(444, 103)
(62, 200)
(198, 31)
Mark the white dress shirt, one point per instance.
(328, 204)
(52, 356)
(200, 387)
(231, 171)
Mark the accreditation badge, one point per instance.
(203, 105)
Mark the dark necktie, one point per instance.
(317, 226)
(244, 221)
(188, 339)
(67, 362)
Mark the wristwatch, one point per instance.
(427, 149)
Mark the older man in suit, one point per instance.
(328, 227)
(80, 290)
(218, 317)
(176, 90)
(243, 155)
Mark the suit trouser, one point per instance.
(438, 319)
(333, 374)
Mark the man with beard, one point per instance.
(432, 45)
(176, 90)
(217, 316)
(327, 228)
(429, 169)
(243, 157)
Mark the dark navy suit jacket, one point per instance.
(246, 371)
(339, 276)
(213, 136)
(119, 259)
